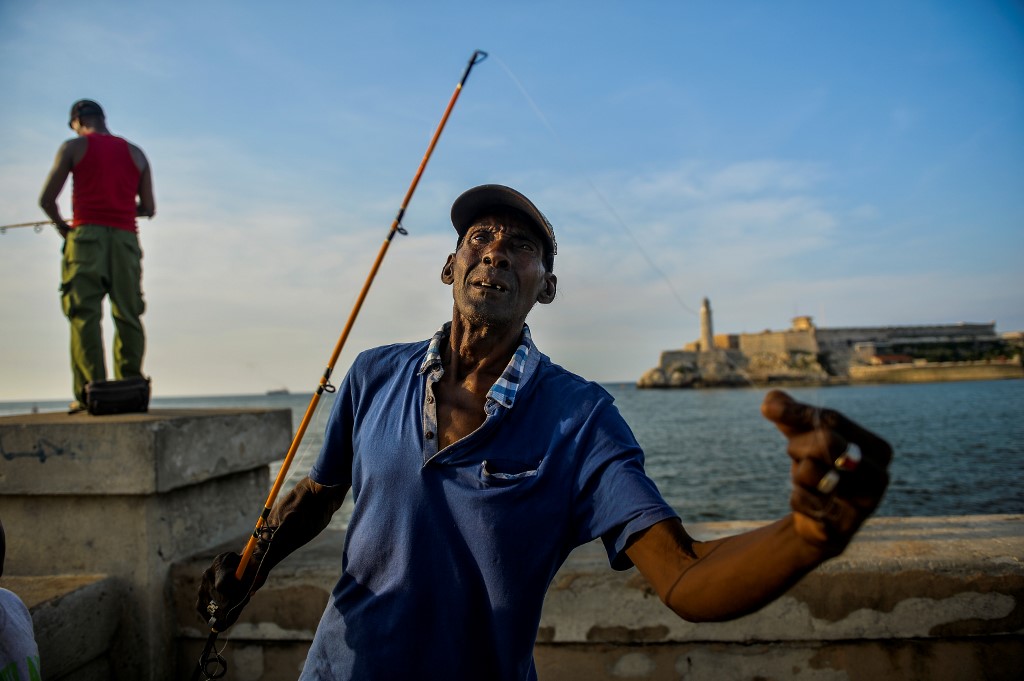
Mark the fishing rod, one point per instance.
(37, 226)
(211, 664)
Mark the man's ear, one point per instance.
(547, 294)
(447, 274)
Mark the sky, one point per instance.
(862, 163)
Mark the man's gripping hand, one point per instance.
(221, 596)
(839, 470)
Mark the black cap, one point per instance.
(473, 203)
(84, 107)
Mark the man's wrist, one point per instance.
(819, 543)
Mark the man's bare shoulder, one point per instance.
(74, 144)
(138, 156)
(72, 151)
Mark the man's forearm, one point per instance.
(295, 520)
(737, 575)
(52, 211)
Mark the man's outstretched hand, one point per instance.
(839, 470)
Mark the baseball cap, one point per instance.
(84, 107)
(473, 203)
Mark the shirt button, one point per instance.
(430, 399)
(429, 435)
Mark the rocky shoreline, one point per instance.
(722, 369)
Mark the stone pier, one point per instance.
(98, 509)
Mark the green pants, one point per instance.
(102, 261)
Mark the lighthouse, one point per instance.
(706, 334)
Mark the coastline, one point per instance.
(720, 373)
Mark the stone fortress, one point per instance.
(806, 354)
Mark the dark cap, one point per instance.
(84, 107)
(475, 202)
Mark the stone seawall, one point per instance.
(111, 521)
(912, 598)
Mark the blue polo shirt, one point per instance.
(449, 553)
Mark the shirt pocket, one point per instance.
(508, 472)
(82, 247)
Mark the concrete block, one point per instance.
(101, 669)
(74, 618)
(128, 496)
(163, 450)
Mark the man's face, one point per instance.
(498, 274)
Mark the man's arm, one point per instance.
(725, 578)
(733, 576)
(62, 166)
(146, 207)
(295, 520)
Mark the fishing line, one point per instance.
(743, 373)
(597, 192)
(815, 397)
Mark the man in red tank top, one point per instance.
(112, 186)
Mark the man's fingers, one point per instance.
(788, 415)
(839, 469)
(794, 418)
(822, 445)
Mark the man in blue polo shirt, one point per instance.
(476, 465)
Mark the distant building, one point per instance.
(807, 353)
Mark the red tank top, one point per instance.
(106, 182)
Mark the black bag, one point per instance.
(128, 396)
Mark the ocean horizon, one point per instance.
(959, 446)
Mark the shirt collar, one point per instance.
(504, 390)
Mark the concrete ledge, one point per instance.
(75, 618)
(918, 598)
(136, 454)
(933, 660)
(128, 496)
(901, 578)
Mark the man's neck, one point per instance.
(88, 130)
(480, 351)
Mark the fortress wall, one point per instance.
(769, 341)
(936, 372)
(805, 337)
(940, 333)
(778, 342)
(727, 341)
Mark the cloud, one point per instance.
(252, 267)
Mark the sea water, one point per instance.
(959, 446)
